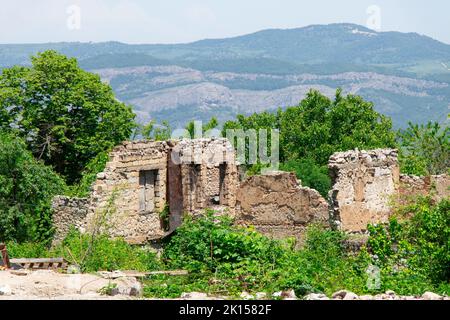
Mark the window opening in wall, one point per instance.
(222, 186)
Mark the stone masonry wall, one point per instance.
(209, 174)
(437, 186)
(142, 178)
(363, 185)
(131, 191)
(70, 212)
(278, 206)
(367, 183)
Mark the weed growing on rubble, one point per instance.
(412, 256)
(105, 254)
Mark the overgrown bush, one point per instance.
(412, 257)
(213, 240)
(91, 254)
(225, 258)
(103, 253)
(311, 174)
(28, 250)
(413, 250)
(26, 189)
(322, 265)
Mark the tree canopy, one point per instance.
(66, 115)
(425, 149)
(319, 126)
(26, 189)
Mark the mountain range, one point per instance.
(405, 75)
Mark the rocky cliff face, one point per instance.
(175, 93)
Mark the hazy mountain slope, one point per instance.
(406, 75)
(172, 92)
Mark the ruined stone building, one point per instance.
(277, 205)
(148, 186)
(366, 184)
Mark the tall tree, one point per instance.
(26, 189)
(319, 126)
(66, 115)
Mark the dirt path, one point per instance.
(43, 284)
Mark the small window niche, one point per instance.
(148, 190)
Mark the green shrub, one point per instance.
(322, 265)
(26, 189)
(103, 253)
(311, 174)
(28, 250)
(100, 253)
(213, 240)
(232, 259)
(414, 255)
(427, 234)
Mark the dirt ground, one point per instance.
(46, 284)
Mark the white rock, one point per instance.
(408, 298)
(431, 296)
(351, 296)
(277, 294)
(391, 293)
(72, 269)
(316, 296)
(194, 296)
(247, 296)
(101, 176)
(261, 295)
(289, 294)
(5, 290)
(366, 297)
(339, 294)
(136, 290)
(344, 295)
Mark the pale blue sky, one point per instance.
(169, 21)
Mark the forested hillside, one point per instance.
(406, 75)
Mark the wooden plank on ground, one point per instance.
(137, 274)
(168, 273)
(40, 263)
(37, 260)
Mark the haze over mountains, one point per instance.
(406, 75)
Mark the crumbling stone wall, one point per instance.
(278, 206)
(142, 178)
(364, 183)
(131, 191)
(437, 186)
(209, 174)
(69, 212)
